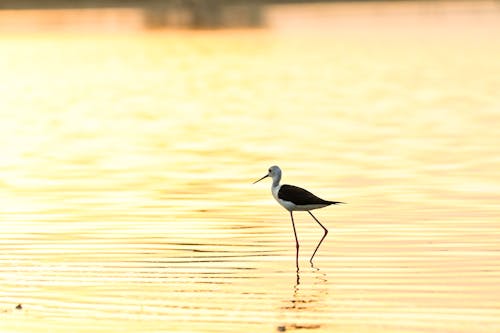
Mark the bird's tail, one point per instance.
(335, 202)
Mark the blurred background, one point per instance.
(113, 15)
(131, 131)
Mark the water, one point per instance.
(127, 163)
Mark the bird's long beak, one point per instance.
(260, 179)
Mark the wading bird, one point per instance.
(294, 198)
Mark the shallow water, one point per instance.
(127, 163)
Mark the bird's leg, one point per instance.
(324, 235)
(296, 242)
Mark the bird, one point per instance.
(294, 198)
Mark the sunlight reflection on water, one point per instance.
(127, 163)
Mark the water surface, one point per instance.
(127, 163)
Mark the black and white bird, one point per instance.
(294, 198)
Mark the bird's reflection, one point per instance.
(309, 291)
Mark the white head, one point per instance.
(275, 173)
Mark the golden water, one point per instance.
(127, 162)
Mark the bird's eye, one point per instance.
(269, 170)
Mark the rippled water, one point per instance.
(127, 163)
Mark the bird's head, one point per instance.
(274, 172)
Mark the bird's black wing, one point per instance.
(299, 196)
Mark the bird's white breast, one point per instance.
(288, 205)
